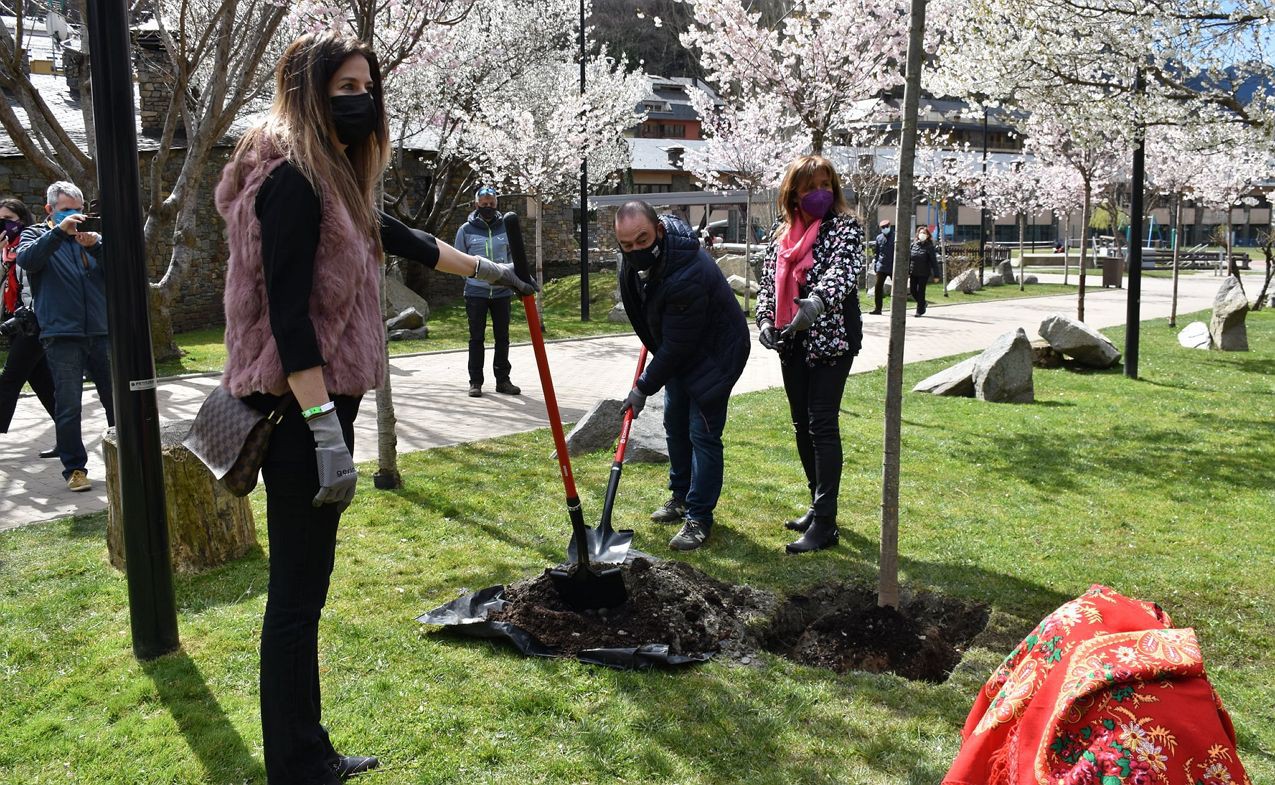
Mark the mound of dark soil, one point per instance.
(841, 627)
(668, 602)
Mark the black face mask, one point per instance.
(488, 214)
(643, 259)
(354, 117)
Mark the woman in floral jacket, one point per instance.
(808, 311)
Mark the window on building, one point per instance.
(651, 188)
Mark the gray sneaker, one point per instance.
(692, 535)
(671, 512)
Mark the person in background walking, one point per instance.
(25, 363)
(484, 235)
(808, 311)
(303, 318)
(883, 264)
(923, 264)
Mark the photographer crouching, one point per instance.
(62, 258)
(25, 363)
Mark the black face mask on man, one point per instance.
(643, 259)
(488, 214)
(354, 117)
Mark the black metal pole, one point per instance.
(1135, 243)
(584, 200)
(152, 607)
(982, 208)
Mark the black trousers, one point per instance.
(916, 288)
(26, 363)
(814, 400)
(878, 290)
(477, 308)
(302, 551)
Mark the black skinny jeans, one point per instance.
(814, 399)
(477, 308)
(25, 364)
(916, 288)
(878, 290)
(302, 551)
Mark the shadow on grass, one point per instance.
(82, 526)
(201, 720)
(229, 584)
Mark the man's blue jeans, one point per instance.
(69, 359)
(694, 433)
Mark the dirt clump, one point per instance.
(668, 602)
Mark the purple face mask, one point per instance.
(817, 203)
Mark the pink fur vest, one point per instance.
(345, 301)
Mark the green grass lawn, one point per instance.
(934, 294)
(448, 326)
(1162, 488)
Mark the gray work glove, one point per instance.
(503, 275)
(337, 474)
(636, 401)
(808, 309)
(769, 337)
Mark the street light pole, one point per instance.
(1132, 317)
(584, 199)
(152, 607)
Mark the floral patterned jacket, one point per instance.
(838, 260)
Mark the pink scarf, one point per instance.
(794, 260)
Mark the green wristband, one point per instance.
(316, 411)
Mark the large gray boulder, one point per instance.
(1006, 271)
(732, 264)
(738, 286)
(415, 334)
(957, 380)
(1230, 309)
(617, 314)
(1080, 342)
(648, 443)
(1028, 280)
(1003, 372)
(965, 282)
(1196, 336)
(994, 280)
(597, 429)
(398, 297)
(1044, 356)
(407, 319)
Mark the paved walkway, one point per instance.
(430, 390)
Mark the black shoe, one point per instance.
(475, 391)
(692, 535)
(877, 312)
(347, 766)
(802, 523)
(52, 453)
(508, 388)
(671, 512)
(821, 534)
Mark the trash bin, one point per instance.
(1112, 269)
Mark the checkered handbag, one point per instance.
(231, 438)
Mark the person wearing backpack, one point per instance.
(25, 363)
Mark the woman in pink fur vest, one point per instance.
(303, 322)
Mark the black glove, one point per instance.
(503, 275)
(769, 337)
(636, 401)
(808, 310)
(337, 474)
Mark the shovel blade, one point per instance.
(584, 588)
(606, 546)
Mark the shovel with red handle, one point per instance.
(607, 545)
(582, 585)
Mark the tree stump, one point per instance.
(207, 525)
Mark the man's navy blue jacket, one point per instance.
(688, 317)
(67, 282)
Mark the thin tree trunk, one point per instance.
(943, 245)
(540, 267)
(1177, 242)
(1022, 256)
(388, 476)
(1084, 254)
(748, 245)
(1270, 271)
(1067, 249)
(888, 577)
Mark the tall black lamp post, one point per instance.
(152, 607)
(584, 199)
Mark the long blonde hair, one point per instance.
(801, 171)
(299, 126)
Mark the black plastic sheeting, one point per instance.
(467, 615)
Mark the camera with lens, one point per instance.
(21, 323)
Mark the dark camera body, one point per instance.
(21, 323)
(91, 223)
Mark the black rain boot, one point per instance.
(802, 523)
(821, 534)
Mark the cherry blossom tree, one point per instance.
(817, 61)
(1062, 192)
(943, 173)
(1015, 188)
(867, 168)
(747, 148)
(1175, 163)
